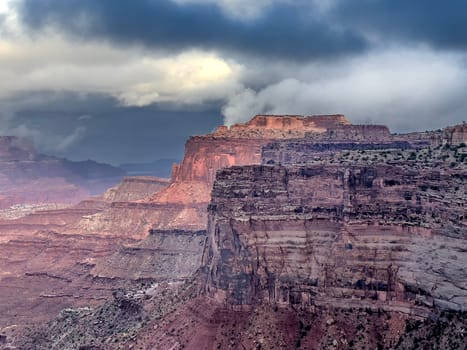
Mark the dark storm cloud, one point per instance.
(440, 24)
(283, 31)
(113, 133)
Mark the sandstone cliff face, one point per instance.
(375, 235)
(282, 126)
(181, 205)
(239, 144)
(204, 155)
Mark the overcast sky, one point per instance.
(129, 80)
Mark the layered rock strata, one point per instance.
(339, 235)
(162, 256)
(239, 144)
(47, 261)
(45, 272)
(182, 204)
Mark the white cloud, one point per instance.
(188, 78)
(133, 75)
(8, 19)
(406, 89)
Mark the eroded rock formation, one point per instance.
(133, 188)
(393, 236)
(240, 144)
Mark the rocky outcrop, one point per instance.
(134, 188)
(381, 236)
(455, 135)
(452, 135)
(359, 221)
(241, 144)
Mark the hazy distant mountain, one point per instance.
(27, 176)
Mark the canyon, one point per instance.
(285, 231)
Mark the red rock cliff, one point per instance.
(239, 144)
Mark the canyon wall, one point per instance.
(383, 236)
(240, 144)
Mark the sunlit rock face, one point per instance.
(239, 144)
(282, 126)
